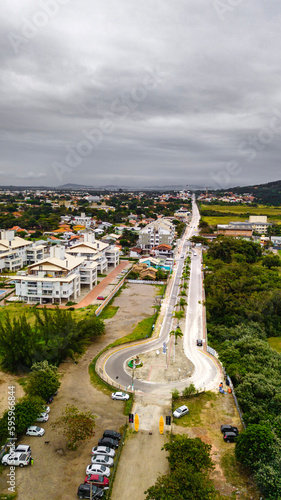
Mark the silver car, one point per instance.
(102, 459)
(122, 396)
(103, 450)
(33, 430)
(179, 412)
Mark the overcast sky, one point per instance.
(139, 93)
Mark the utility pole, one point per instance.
(133, 374)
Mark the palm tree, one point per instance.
(178, 314)
(182, 303)
(177, 333)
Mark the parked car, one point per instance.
(98, 469)
(103, 450)
(199, 342)
(50, 399)
(84, 491)
(120, 395)
(43, 417)
(102, 459)
(46, 409)
(100, 297)
(230, 437)
(20, 459)
(33, 430)
(110, 443)
(98, 480)
(179, 412)
(23, 448)
(112, 435)
(229, 428)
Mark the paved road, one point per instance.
(205, 369)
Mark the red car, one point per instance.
(96, 479)
(100, 298)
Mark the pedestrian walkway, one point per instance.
(97, 290)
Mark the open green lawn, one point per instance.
(241, 212)
(275, 343)
(108, 312)
(245, 209)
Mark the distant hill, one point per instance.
(267, 194)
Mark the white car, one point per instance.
(20, 459)
(42, 417)
(102, 459)
(120, 395)
(23, 448)
(103, 450)
(33, 430)
(46, 409)
(102, 470)
(179, 412)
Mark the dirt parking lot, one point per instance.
(57, 472)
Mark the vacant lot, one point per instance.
(207, 413)
(240, 213)
(57, 472)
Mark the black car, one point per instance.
(111, 443)
(230, 437)
(199, 342)
(229, 428)
(84, 491)
(112, 435)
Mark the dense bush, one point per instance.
(53, 336)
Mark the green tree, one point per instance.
(270, 261)
(43, 381)
(76, 426)
(18, 343)
(255, 444)
(177, 333)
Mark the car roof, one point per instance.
(183, 407)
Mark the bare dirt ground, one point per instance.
(57, 472)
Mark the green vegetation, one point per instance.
(108, 312)
(243, 300)
(26, 411)
(43, 381)
(190, 465)
(76, 426)
(275, 343)
(195, 405)
(50, 335)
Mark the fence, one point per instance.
(109, 297)
(113, 470)
(235, 400)
(147, 282)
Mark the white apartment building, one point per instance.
(158, 232)
(35, 253)
(97, 251)
(82, 220)
(55, 279)
(13, 251)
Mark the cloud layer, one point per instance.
(140, 93)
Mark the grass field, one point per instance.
(245, 209)
(240, 213)
(275, 343)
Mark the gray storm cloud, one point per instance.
(140, 93)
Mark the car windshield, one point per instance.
(103, 467)
(37, 429)
(100, 478)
